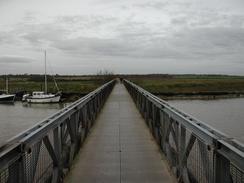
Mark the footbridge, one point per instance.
(121, 133)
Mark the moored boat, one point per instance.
(24, 97)
(7, 98)
(43, 96)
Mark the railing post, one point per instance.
(58, 150)
(182, 146)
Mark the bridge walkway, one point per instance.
(120, 147)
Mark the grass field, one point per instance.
(67, 84)
(163, 85)
(192, 84)
(72, 87)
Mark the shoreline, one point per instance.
(66, 97)
(200, 97)
(72, 97)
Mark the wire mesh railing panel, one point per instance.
(43, 169)
(200, 163)
(7, 172)
(237, 174)
(4, 176)
(13, 173)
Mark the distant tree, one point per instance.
(105, 75)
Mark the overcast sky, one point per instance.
(129, 36)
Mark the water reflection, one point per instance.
(43, 106)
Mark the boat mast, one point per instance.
(6, 84)
(45, 72)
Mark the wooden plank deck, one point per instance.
(119, 148)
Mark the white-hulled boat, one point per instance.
(7, 98)
(43, 97)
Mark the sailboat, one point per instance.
(7, 98)
(43, 96)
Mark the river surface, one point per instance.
(226, 115)
(15, 118)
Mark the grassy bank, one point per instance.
(72, 87)
(192, 86)
(166, 86)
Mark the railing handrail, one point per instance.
(228, 147)
(17, 143)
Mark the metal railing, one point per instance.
(45, 152)
(195, 151)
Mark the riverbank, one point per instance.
(177, 87)
(72, 87)
(200, 97)
(168, 87)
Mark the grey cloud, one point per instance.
(186, 35)
(30, 17)
(7, 38)
(179, 20)
(195, 18)
(41, 34)
(155, 5)
(137, 39)
(94, 46)
(12, 59)
(163, 5)
(211, 43)
(215, 19)
(192, 44)
(85, 20)
(61, 28)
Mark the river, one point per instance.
(226, 115)
(17, 117)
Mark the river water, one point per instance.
(226, 115)
(15, 118)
